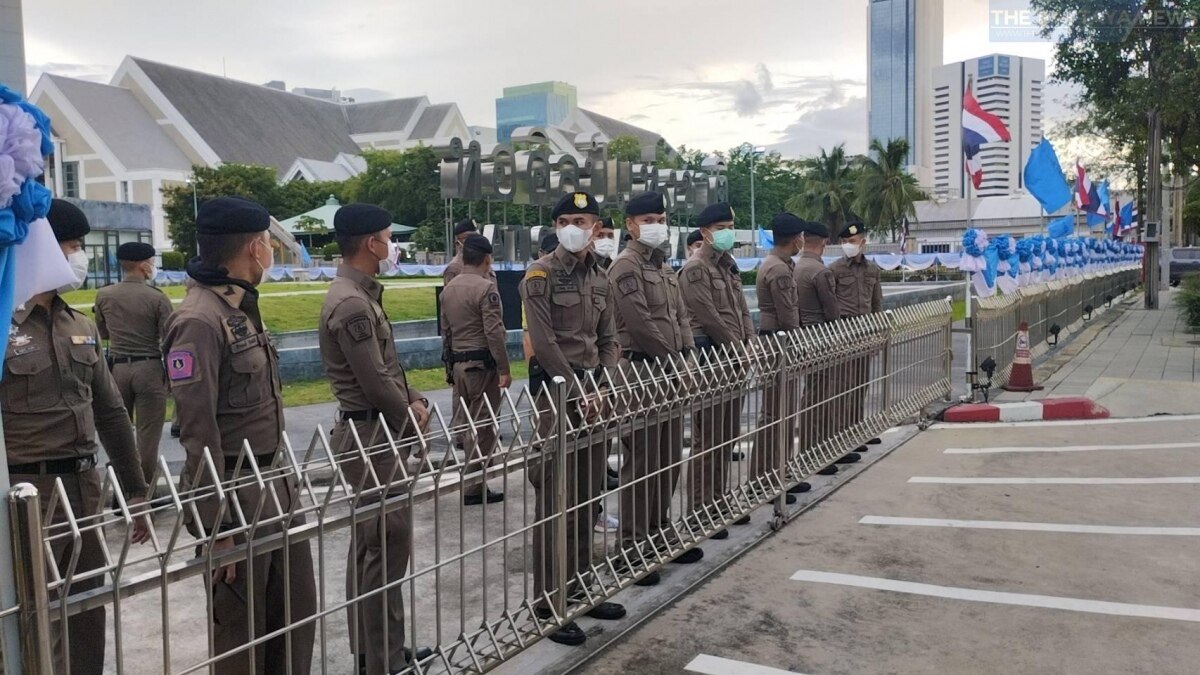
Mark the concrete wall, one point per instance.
(12, 46)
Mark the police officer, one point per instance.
(132, 316)
(712, 290)
(56, 396)
(570, 323)
(693, 244)
(816, 291)
(653, 326)
(605, 244)
(372, 390)
(859, 292)
(778, 312)
(223, 371)
(462, 230)
(474, 335)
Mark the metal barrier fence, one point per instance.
(1052, 310)
(366, 537)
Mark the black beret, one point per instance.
(816, 229)
(477, 242)
(573, 203)
(715, 213)
(786, 225)
(548, 243)
(853, 228)
(135, 251)
(645, 203)
(464, 226)
(606, 223)
(693, 237)
(232, 215)
(67, 221)
(358, 219)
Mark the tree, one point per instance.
(239, 180)
(405, 183)
(886, 192)
(625, 148)
(311, 225)
(828, 192)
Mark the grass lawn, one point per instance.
(432, 379)
(959, 309)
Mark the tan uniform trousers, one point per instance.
(479, 387)
(714, 429)
(379, 554)
(84, 635)
(776, 431)
(585, 467)
(280, 586)
(143, 388)
(650, 471)
(850, 387)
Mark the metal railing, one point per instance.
(1052, 310)
(702, 441)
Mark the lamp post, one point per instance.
(754, 151)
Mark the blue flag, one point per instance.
(1127, 216)
(1044, 178)
(305, 256)
(1063, 227)
(766, 239)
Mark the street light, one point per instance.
(754, 151)
(195, 199)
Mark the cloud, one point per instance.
(366, 94)
(763, 76)
(835, 116)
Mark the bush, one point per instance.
(1188, 299)
(330, 251)
(173, 261)
(750, 279)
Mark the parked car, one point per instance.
(1184, 261)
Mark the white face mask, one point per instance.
(654, 234)
(851, 250)
(574, 238)
(79, 267)
(605, 248)
(389, 263)
(262, 279)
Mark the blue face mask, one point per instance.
(723, 240)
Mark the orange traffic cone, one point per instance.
(1021, 377)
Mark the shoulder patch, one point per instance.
(535, 287)
(695, 274)
(627, 284)
(785, 281)
(535, 274)
(181, 365)
(493, 299)
(359, 327)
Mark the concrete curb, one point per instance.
(1066, 408)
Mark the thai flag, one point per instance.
(979, 126)
(1083, 186)
(1116, 229)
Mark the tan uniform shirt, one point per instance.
(859, 291)
(568, 314)
(816, 291)
(359, 351)
(651, 317)
(712, 290)
(132, 316)
(473, 317)
(224, 375)
(456, 267)
(57, 394)
(777, 303)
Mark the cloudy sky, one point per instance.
(790, 74)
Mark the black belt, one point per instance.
(474, 355)
(358, 415)
(764, 333)
(702, 341)
(55, 466)
(263, 462)
(133, 359)
(636, 356)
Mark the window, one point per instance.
(70, 179)
(126, 191)
(935, 248)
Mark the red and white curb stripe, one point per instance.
(1068, 408)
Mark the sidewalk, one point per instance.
(1139, 363)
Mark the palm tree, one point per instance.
(828, 189)
(886, 191)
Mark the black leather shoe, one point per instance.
(694, 555)
(737, 456)
(607, 611)
(612, 482)
(612, 473)
(423, 653)
(174, 432)
(651, 579)
(477, 499)
(789, 498)
(799, 488)
(875, 441)
(828, 471)
(850, 458)
(723, 534)
(744, 520)
(861, 448)
(570, 635)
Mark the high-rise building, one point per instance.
(904, 46)
(12, 46)
(533, 105)
(1009, 87)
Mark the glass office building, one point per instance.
(533, 105)
(905, 45)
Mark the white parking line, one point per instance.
(715, 665)
(1001, 597)
(1067, 423)
(956, 480)
(1032, 527)
(1070, 448)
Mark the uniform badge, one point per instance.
(83, 339)
(359, 327)
(494, 299)
(581, 200)
(535, 282)
(181, 365)
(627, 284)
(732, 214)
(237, 327)
(18, 339)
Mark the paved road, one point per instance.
(1039, 548)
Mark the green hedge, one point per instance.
(1188, 299)
(173, 261)
(330, 250)
(750, 279)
